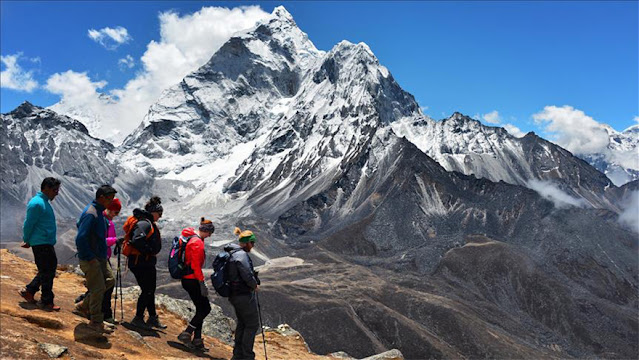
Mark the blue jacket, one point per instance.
(91, 238)
(39, 226)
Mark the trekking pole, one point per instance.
(259, 311)
(120, 285)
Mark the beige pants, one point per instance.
(99, 278)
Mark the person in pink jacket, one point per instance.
(111, 212)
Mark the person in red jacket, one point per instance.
(194, 283)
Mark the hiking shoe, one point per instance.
(48, 307)
(99, 327)
(80, 311)
(139, 323)
(154, 322)
(27, 296)
(185, 338)
(198, 344)
(111, 321)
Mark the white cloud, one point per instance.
(551, 192)
(573, 129)
(74, 87)
(186, 43)
(14, 77)
(126, 63)
(492, 117)
(514, 131)
(636, 119)
(110, 38)
(630, 211)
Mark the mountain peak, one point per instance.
(25, 108)
(282, 13)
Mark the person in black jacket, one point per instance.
(244, 284)
(147, 240)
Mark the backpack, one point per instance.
(177, 257)
(219, 278)
(129, 248)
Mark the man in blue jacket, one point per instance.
(39, 233)
(92, 252)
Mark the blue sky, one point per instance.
(509, 60)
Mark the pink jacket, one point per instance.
(111, 238)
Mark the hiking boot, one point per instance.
(48, 307)
(185, 338)
(81, 311)
(27, 296)
(139, 323)
(198, 344)
(154, 322)
(99, 327)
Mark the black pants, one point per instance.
(247, 325)
(47, 262)
(202, 306)
(146, 277)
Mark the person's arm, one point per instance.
(195, 252)
(82, 239)
(111, 240)
(34, 211)
(244, 269)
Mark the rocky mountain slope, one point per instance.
(30, 333)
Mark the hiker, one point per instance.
(244, 284)
(39, 233)
(111, 212)
(92, 252)
(194, 283)
(141, 247)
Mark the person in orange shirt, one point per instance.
(194, 282)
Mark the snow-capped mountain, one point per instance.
(620, 160)
(91, 116)
(273, 113)
(460, 143)
(37, 143)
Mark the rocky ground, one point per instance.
(27, 332)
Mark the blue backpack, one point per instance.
(177, 262)
(219, 278)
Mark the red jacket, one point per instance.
(194, 256)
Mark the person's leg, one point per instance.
(141, 305)
(202, 309)
(150, 291)
(109, 282)
(95, 283)
(202, 306)
(236, 301)
(34, 286)
(251, 326)
(47, 274)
